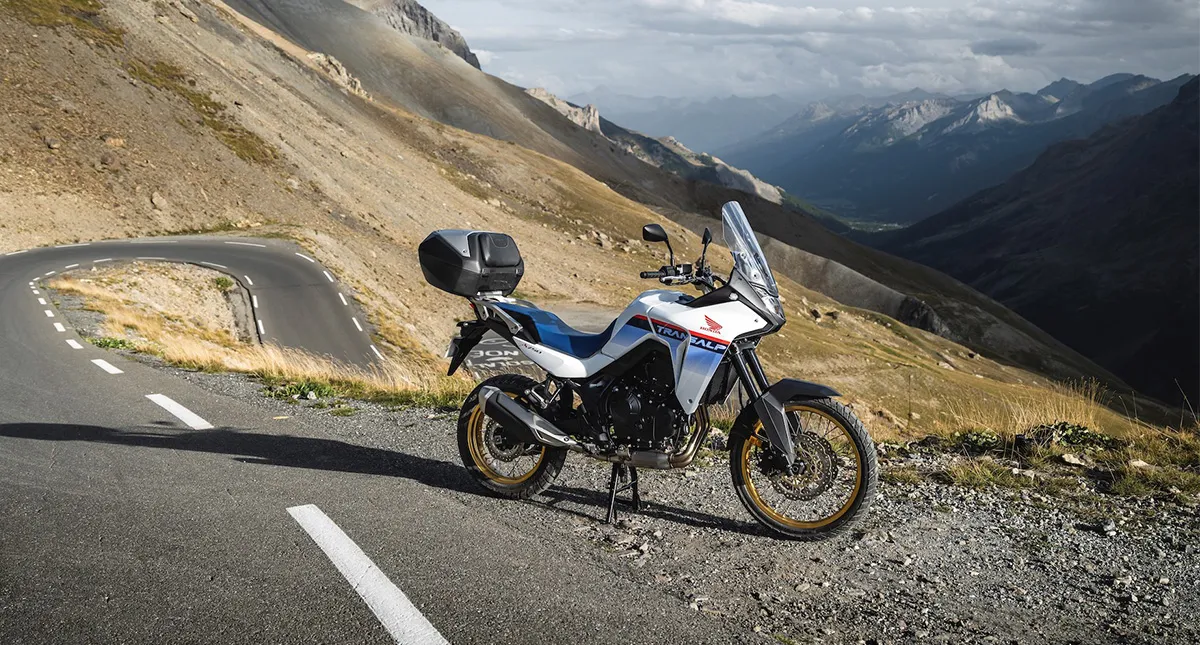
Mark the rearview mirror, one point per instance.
(654, 233)
(706, 239)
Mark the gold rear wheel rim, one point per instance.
(477, 427)
(747, 467)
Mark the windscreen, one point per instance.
(748, 258)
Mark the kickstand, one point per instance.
(629, 480)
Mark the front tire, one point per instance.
(834, 477)
(508, 469)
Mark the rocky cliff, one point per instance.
(587, 117)
(411, 18)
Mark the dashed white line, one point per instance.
(261, 246)
(106, 366)
(214, 264)
(327, 276)
(58, 327)
(248, 280)
(36, 292)
(185, 415)
(376, 350)
(71, 246)
(49, 314)
(254, 300)
(104, 260)
(343, 299)
(399, 616)
(260, 328)
(161, 259)
(70, 266)
(356, 324)
(50, 272)
(154, 241)
(42, 301)
(74, 343)
(18, 252)
(307, 258)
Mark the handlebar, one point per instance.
(653, 274)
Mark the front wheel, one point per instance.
(505, 467)
(831, 483)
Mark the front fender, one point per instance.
(768, 408)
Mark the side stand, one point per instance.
(629, 480)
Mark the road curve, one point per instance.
(142, 505)
(297, 302)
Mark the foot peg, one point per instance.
(628, 481)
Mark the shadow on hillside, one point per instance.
(339, 456)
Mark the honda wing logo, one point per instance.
(712, 326)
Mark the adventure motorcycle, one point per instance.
(637, 394)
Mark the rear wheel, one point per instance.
(831, 483)
(505, 467)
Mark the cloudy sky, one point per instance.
(813, 48)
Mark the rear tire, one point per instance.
(479, 437)
(824, 459)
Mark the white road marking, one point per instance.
(248, 280)
(153, 241)
(37, 293)
(58, 327)
(356, 324)
(161, 259)
(74, 343)
(254, 299)
(104, 260)
(260, 329)
(327, 276)
(71, 246)
(307, 258)
(214, 264)
(69, 266)
(343, 299)
(261, 246)
(106, 366)
(49, 314)
(399, 616)
(31, 281)
(42, 301)
(185, 415)
(376, 350)
(50, 272)
(18, 252)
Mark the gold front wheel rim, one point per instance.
(746, 466)
(476, 441)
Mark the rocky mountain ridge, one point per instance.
(924, 154)
(1097, 242)
(409, 17)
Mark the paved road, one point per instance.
(140, 507)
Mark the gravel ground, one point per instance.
(931, 562)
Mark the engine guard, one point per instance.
(769, 409)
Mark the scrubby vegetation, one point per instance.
(84, 16)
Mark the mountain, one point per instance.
(409, 17)
(415, 76)
(1097, 242)
(703, 125)
(907, 159)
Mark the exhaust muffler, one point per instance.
(521, 423)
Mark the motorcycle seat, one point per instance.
(551, 331)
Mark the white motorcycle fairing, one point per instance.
(696, 337)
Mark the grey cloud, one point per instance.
(1010, 46)
(755, 47)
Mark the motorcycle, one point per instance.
(639, 393)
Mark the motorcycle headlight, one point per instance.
(772, 302)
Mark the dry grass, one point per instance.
(191, 345)
(81, 15)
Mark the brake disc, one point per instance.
(499, 445)
(812, 474)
